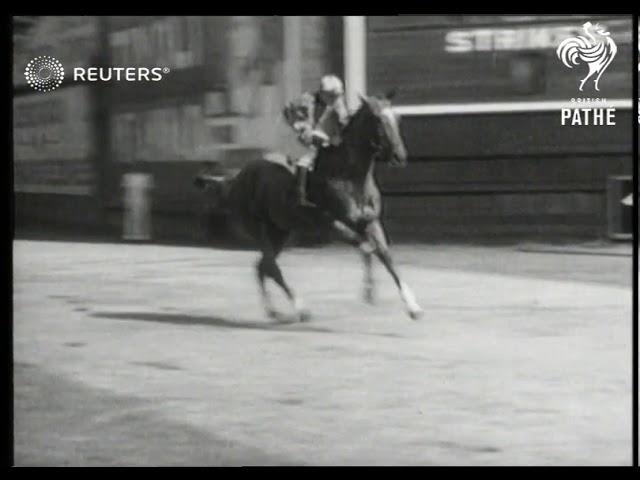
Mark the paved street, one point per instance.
(160, 355)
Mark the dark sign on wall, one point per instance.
(458, 58)
(53, 149)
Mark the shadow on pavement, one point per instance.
(281, 323)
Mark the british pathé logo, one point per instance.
(597, 49)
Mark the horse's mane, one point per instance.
(331, 159)
(363, 108)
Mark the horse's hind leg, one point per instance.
(377, 237)
(272, 243)
(266, 298)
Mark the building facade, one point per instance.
(485, 157)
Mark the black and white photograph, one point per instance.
(402, 240)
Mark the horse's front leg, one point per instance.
(369, 283)
(361, 242)
(375, 234)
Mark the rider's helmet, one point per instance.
(331, 86)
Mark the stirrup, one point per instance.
(307, 203)
(304, 201)
(302, 187)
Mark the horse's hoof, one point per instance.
(304, 315)
(416, 314)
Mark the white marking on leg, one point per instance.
(301, 311)
(409, 300)
(298, 304)
(266, 301)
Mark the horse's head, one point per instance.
(387, 140)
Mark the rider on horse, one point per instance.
(318, 119)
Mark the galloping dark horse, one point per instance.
(263, 197)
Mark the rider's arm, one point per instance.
(340, 107)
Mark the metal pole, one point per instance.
(355, 59)
(292, 57)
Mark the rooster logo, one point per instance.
(597, 49)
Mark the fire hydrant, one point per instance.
(137, 206)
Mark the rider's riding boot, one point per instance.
(302, 188)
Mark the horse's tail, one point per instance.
(213, 182)
(205, 181)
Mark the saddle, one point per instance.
(281, 159)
